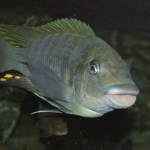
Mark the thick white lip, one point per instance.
(112, 103)
(121, 100)
(120, 96)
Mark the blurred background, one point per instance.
(125, 25)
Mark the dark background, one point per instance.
(107, 14)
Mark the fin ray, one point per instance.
(18, 80)
(46, 111)
(23, 36)
(48, 82)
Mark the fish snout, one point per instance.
(62, 132)
(121, 96)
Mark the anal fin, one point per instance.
(13, 78)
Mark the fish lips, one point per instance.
(61, 133)
(120, 96)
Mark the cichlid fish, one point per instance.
(51, 124)
(67, 65)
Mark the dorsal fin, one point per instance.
(72, 26)
(22, 36)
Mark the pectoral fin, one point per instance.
(55, 104)
(46, 111)
(18, 80)
(45, 79)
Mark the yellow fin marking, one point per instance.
(3, 29)
(7, 38)
(8, 76)
(3, 79)
(3, 32)
(17, 77)
(13, 43)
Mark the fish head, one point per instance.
(52, 125)
(60, 127)
(103, 82)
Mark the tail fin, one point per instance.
(6, 54)
(12, 39)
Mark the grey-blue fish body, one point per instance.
(70, 65)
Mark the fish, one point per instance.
(67, 65)
(51, 124)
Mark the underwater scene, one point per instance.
(74, 75)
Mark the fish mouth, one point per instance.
(63, 133)
(121, 96)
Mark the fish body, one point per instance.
(51, 124)
(67, 65)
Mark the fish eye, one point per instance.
(93, 66)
